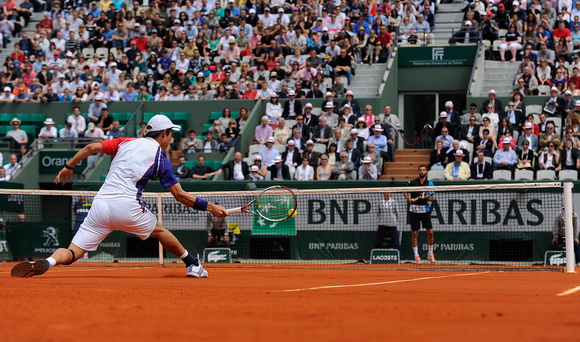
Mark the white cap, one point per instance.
(252, 10)
(280, 10)
(367, 160)
(329, 104)
(254, 168)
(346, 105)
(325, 29)
(567, 92)
(113, 64)
(378, 128)
(354, 131)
(492, 91)
(443, 114)
(467, 23)
(577, 103)
(278, 159)
(310, 142)
(349, 93)
(257, 158)
(516, 3)
(291, 142)
(102, 64)
(98, 98)
(291, 92)
(49, 121)
(529, 124)
(327, 94)
(459, 153)
(308, 105)
(60, 76)
(507, 140)
(69, 54)
(160, 122)
(7, 89)
(449, 104)
(270, 140)
(553, 89)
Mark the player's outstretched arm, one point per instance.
(187, 199)
(66, 174)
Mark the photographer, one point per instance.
(488, 27)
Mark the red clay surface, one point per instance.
(235, 304)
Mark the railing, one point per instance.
(475, 70)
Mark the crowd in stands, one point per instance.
(197, 50)
(339, 143)
(473, 145)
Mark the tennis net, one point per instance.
(496, 226)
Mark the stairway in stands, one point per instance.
(367, 80)
(499, 76)
(405, 168)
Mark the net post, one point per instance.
(569, 211)
(160, 220)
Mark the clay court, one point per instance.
(247, 304)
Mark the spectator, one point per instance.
(96, 108)
(343, 168)
(324, 170)
(115, 131)
(457, 170)
(16, 136)
(48, 131)
(210, 144)
(180, 170)
(263, 131)
(238, 169)
(93, 131)
(549, 137)
(191, 143)
(549, 159)
(367, 171)
(505, 158)
(12, 166)
(262, 169)
(68, 131)
(269, 153)
(304, 172)
(3, 176)
(278, 170)
(202, 171)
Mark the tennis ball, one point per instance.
(259, 206)
(292, 212)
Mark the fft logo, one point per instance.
(437, 53)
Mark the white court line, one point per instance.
(565, 293)
(384, 282)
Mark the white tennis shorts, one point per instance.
(108, 216)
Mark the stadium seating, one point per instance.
(568, 175)
(502, 175)
(524, 175)
(546, 175)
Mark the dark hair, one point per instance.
(155, 134)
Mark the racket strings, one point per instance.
(275, 205)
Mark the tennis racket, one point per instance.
(276, 203)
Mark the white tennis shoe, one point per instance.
(196, 271)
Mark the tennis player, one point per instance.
(118, 204)
(420, 214)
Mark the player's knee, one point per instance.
(73, 257)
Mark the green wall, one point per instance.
(434, 79)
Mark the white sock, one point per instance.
(51, 262)
(184, 254)
(430, 248)
(416, 251)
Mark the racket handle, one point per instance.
(234, 210)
